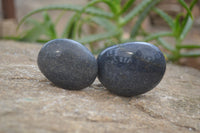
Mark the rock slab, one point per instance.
(30, 103)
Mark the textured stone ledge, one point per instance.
(30, 103)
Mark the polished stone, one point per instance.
(68, 64)
(131, 69)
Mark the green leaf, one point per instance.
(59, 17)
(98, 12)
(157, 35)
(76, 8)
(165, 44)
(33, 34)
(69, 30)
(192, 4)
(182, 2)
(79, 29)
(189, 46)
(112, 4)
(45, 28)
(16, 38)
(186, 28)
(49, 26)
(184, 23)
(191, 54)
(177, 26)
(97, 37)
(126, 6)
(165, 16)
(106, 24)
(141, 18)
(136, 11)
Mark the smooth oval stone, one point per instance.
(68, 64)
(131, 69)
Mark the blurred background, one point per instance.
(12, 11)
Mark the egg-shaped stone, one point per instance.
(131, 68)
(68, 64)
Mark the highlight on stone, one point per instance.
(131, 69)
(68, 64)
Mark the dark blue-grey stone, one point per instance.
(131, 69)
(68, 64)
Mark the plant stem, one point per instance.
(176, 52)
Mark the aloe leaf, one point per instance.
(189, 46)
(165, 44)
(16, 38)
(186, 28)
(141, 18)
(165, 16)
(32, 22)
(193, 3)
(126, 6)
(59, 17)
(191, 54)
(157, 35)
(50, 30)
(182, 2)
(112, 4)
(139, 8)
(177, 26)
(97, 37)
(76, 8)
(33, 34)
(80, 27)
(98, 12)
(106, 24)
(49, 26)
(70, 27)
(184, 23)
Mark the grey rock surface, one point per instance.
(30, 103)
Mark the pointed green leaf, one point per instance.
(191, 54)
(70, 27)
(106, 24)
(58, 18)
(49, 26)
(182, 2)
(186, 28)
(189, 46)
(165, 16)
(141, 18)
(112, 4)
(185, 20)
(165, 44)
(76, 8)
(79, 29)
(193, 3)
(98, 12)
(157, 35)
(97, 37)
(126, 6)
(33, 34)
(139, 8)
(177, 26)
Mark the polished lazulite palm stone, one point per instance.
(131, 69)
(68, 64)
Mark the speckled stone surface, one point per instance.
(29, 103)
(131, 69)
(68, 64)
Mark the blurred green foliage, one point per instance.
(112, 22)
